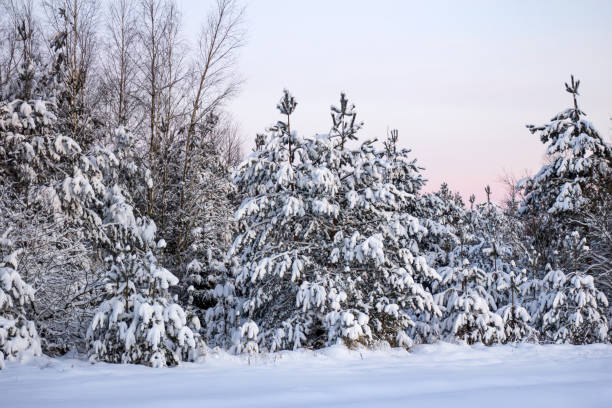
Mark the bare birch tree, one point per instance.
(119, 64)
(19, 42)
(221, 37)
(78, 21)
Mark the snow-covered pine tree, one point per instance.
(442, 213)
(569, 308)
(404, 278)
(139, 322)
(465, 301)
(222, 314)
(323, 259)
(403, 173)
(493, 244)
(270, 244)
(490, 240)
(21, 75)
(516, 319)
(18, 335)
(570, 192)
(479, 268)
(580, 167)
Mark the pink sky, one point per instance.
(458, 79)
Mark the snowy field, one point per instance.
(442, 375)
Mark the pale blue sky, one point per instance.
(459, 79)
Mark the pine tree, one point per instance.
(569, 308)
(323, 257)
(442, 213)
(479, 268)
(571, 192)
(580, 167)
(516, 319)
(494, 245)
(139, 322)
(18, 335)
(466, 301)
(404, 174)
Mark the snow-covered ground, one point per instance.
(441, 375)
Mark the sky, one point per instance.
(458, 79)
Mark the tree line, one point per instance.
(132, 230)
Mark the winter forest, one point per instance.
(137, 226)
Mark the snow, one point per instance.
(431, 376)
(25, 109)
